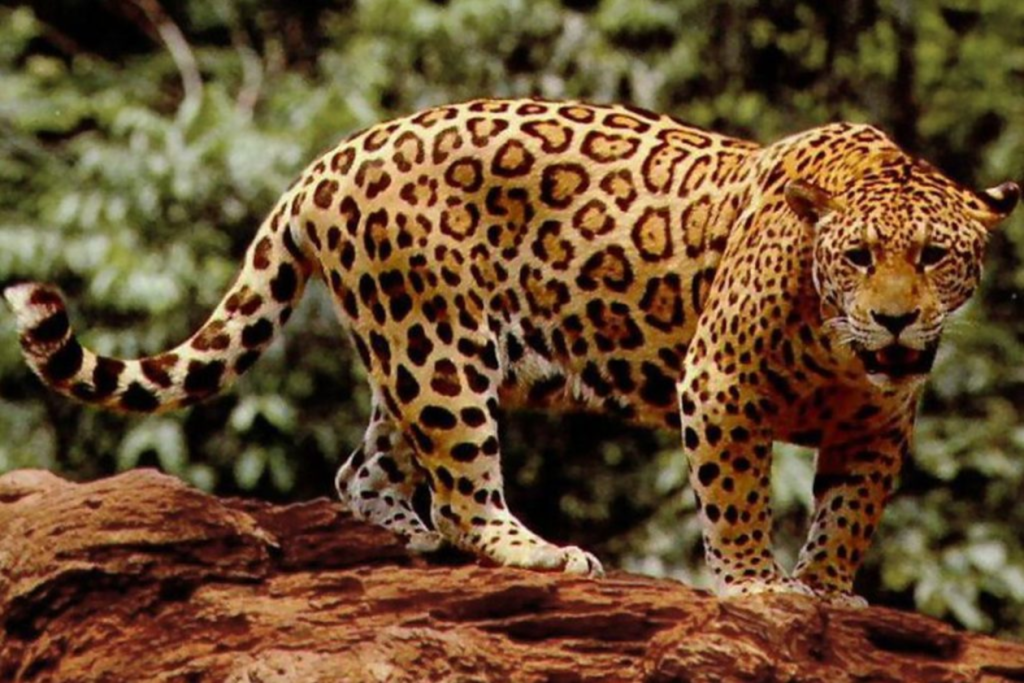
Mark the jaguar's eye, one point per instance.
(932, 254)
(860, 257)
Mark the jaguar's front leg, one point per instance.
(728, 445)
(854, 477)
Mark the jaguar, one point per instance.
(577, 256)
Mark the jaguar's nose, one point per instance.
(896, 323)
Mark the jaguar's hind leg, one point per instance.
(449, 412)
(378, 481)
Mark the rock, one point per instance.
(140, 578)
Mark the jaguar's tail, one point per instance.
(245, 322)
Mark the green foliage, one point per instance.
(139, 199)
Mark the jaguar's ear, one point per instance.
(996, 204)
(809, 201)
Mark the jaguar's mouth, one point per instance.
(897, 361)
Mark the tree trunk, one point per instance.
(140, 578)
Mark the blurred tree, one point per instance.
(140, 144)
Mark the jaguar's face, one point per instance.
(894, 255)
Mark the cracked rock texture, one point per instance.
(140, 578)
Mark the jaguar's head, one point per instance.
(895, 252)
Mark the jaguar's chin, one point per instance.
(896, 363)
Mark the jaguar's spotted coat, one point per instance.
(598, 257)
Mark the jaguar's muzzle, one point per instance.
(898, 361)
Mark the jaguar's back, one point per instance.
(570, 244)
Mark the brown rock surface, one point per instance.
(140, 578)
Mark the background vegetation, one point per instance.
(140, 146)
